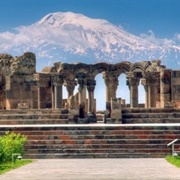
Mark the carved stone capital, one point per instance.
(91, 83)
(57, 80)
(42, 80)
(70, 84)
(132, 81)
(81, 80)
(152, 78)
(111, 79)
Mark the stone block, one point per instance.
(73, 113)
(169, 104)
(23, 105)
(83, 121)
(92, 118)
(116, 115)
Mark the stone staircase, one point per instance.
(43, 116)
(142, 115)
(50, 135)
(97, 140)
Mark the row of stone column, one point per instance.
(157, 87)
(152, 82)
(57, 81)
(86, 83)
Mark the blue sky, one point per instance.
(135, 16)
(161, 17)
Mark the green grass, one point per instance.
(5, 167)
(175, 160)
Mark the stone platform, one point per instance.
(150, 115)
(50, 134)
(61, 116)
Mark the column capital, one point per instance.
(57, 79)
(165, 75)
(81, 80)
(111, 80)
(133, 78)
(70, 82)
(150, 78)
(91, 83)
(70, 85)
(41, 79)
(132, 81)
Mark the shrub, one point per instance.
(11, 143)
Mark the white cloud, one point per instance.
(153, 39)
(105, 41)
(177, 37)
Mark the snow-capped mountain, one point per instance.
(70, 37)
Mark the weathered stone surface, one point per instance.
(97, 141)
(23, 65)
(20, 83)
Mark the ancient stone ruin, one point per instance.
(21, 87)
(32, 103)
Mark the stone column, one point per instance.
(152, 95)
(58, 96)
(40, 96)
(91, 83)
(133, 83)
(42, 81)
(8, 92)
(150, 82)
(81, 81)
(81, 92)
(57, 99)
(70, 85)
(165, 87)
(52, 97)
(111, 82)
(144, 83)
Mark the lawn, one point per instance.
(5, 167)
(175, 160)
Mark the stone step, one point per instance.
(97, 141)
(53, 135)
(93, 129)
(150, 110)
(94, 155)
(64, 136)
(151, 115)
(34, 111)
(33, 121)
(137, 120)
(100, 150)
(32, 116)
(94, 146)
(92, 140)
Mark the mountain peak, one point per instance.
(58, 19)
(66, 36)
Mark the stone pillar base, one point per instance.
(116, 117)
(92, 118)
(168, 104)
(73, 115)
(82, 121)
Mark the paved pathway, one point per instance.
(95, 169)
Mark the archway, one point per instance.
(123, 90)
(141, 95)
(100, 93)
